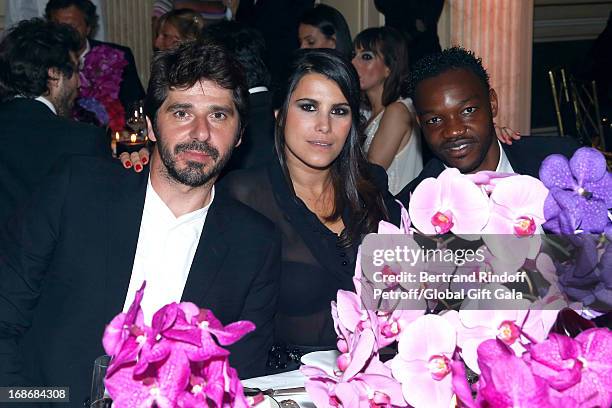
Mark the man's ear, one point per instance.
(239, 141)
(493, 102)
(151, 134)
(54, 74)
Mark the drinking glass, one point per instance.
(136, 121)
(99, 398)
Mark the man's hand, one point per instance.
(136, 160)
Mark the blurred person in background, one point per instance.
(392, 133)
(277, 21)
(17, 10)
(110, 80)
(177, 26)
(39, 82)
(325, 27)
(248, 47)
(417, 20)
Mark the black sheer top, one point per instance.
(314, 265)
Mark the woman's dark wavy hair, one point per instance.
(331, 23)
(188, 23)
(86, 6)
(391, 45)
(27, 53)
(351, 179)
(184, 66)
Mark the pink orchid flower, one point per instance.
(365, 383)
(517, 206)
(350, 318)
(452, 202)
(508, 252)
(423, 362)
(480, 320)
(487, 180)
(580, 369)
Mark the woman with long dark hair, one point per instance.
(323, 196)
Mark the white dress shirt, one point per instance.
(503, 166)
(165, 251)
(47, 103)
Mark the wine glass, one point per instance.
(99, 398)
(136, 121)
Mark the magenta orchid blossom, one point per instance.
(579, 369)
(177, 361)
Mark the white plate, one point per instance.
(325, 360)
(268, 402)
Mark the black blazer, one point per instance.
(33, 139)
(525, 157)
(131, 89)
(65, 268)
(257, 147)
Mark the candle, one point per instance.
(134, 144)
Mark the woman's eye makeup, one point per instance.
(307, 106)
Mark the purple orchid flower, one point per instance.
(587, 276)
(580, 192)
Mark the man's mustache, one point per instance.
(198, 146)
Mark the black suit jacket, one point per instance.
(525, 157)
(131, 89)
(65, 268)
(33, 139)
(257, 147)
(277, 20)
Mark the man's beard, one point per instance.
(196, 174)
(65, 102)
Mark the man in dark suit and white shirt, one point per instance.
(95, 232)
(39, 80)
(455, 108)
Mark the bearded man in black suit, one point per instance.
(82, 16)
(455, 108)
(38, 84)
(95, 232)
